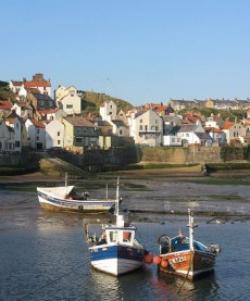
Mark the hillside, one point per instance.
(91, 101)
(5, 92)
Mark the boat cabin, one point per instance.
(179, 243)
(118, 235)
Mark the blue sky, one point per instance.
(138, 50)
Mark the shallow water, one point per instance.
(43, 255)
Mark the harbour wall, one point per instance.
(181, 155)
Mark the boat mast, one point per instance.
(191, 230)
(107, 191)
(117, 195)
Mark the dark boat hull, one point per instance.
(189, 264)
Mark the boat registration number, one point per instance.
(178, 259)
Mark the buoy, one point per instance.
(156, 259)
(164, 263)
(148, 258)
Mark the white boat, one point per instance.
(65, 198)
(117, 251)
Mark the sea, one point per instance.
(44, 255)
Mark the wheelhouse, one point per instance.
(120, 235)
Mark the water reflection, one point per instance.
(200, 288)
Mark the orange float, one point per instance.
(164, 263)
(157, 260)
(148, 258)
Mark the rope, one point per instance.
(185, 280)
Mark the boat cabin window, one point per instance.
(127, 236)
(121, 236)
(113, 236)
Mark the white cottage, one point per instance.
(35, 133)
(108, 111)
(146, 128)
(7, 138)
(20, 136)
(54, 134)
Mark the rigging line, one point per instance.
(51, 282)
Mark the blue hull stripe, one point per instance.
(121, 252)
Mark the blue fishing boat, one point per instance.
(116, 251)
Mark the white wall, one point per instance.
(71, 104)
(54, 134)
(108, 111)
(171, 141)
(190, 137)
(147, 128)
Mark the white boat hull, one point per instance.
(116, 266)
(57, 203)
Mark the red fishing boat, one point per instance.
(185, 256)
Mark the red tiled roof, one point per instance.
(227, 125)
(48, 111)
(214, 130)
(5, 105)
(158, 107)
(17, 83)
(33, 84)
(38, 124)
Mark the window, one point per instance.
(37, 138)
(141, 120)
(58, 142)
(146, 127)
(141, 127)
(0, 145)
(113, 236)
(110, 106)
(37, 131)
(156, 128)
(58, 134)
(17, 143)
(120, 132)
(126, 236)
(69, 106)
(156, 121)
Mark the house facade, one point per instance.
(234, 132)
(70, 104)
(36, 134)
(108, 111)
(54, 134)
(7, 138)
(146, 128)
(79, 133)
(20, 134)
(188, 134)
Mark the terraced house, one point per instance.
(79, 133)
